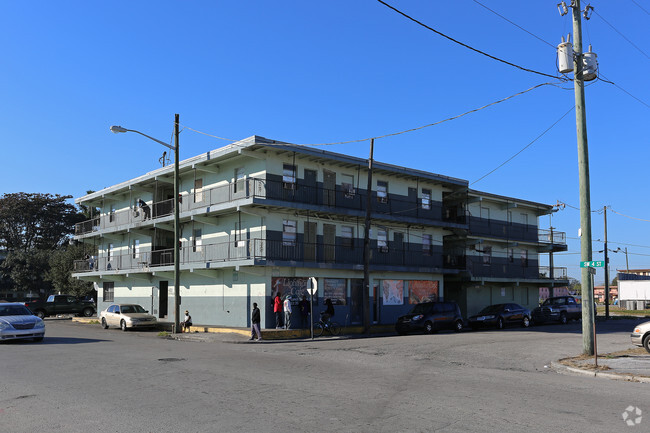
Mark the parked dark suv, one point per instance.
(430, 317)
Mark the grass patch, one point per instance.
(164, 334)
(615, 309)
(94, 322)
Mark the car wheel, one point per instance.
(526, 322)
(123, 326)
(563, 319)
(428, 328)
(646, 343)
(500, 323)
(88, 312)
(104, 324)
(458, 326)
(40, 314)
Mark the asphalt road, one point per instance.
(85, 379)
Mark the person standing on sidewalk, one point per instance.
(277, 309)
(255, 323)
(287, 312)
(304, 312)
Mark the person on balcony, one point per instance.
(145, 209)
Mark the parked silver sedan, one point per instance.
(18, 322)
(641, 335)
(126, 316)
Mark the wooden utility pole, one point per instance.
(177, 232)
(606, 270)
(585, 194)
(366, 245)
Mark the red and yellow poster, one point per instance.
(422, 291)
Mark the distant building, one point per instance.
(599, 293)
(260, 217)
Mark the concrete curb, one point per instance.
(565, 369)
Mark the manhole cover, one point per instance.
(170, 359)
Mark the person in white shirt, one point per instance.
(185, 324)
(287, 312)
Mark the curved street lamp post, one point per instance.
(177, 240)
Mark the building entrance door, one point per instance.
(310, 242)
(356, 301)
(163, 297)
(329, 188)
(329, 242)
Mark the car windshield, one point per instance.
(126, 309)
(14, 310)
(491, 309)
(552, 301)
(421, 309)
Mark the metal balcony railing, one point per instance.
(274, 190)
(558, 238)
(559, 273)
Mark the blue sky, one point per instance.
(329, 71)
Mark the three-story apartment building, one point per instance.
(260, 217)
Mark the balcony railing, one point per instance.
(274, 190)
(558, 238)
(261, 249)
(559, 273)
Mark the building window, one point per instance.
(524, 258)
(382, 240)
(289, 233)
(239, 178)
(426, 244)
(289, 176)
(197, 241)
(136, 248)
(487, 255)
(426, 198)
(347, 236)
(382, 191)
(485, 213)
(347, 183)
(511, 255)
(109, 292)
(198, 190)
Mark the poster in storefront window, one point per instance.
(422, 291)
(294, 286)
(335, 289)
(393, 291)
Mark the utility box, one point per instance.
(589, 66)
(565, 56)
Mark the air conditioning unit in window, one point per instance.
(383, 199)
(383, 249)
(288, 185)
(349, 193)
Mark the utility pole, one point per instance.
(177, 232)
(585, 194)
(606, 270)
(366, 246)
(627, 264)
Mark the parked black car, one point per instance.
(430, 317)
(500, 316)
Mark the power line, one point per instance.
(525, 147)
(640, 7)
(626, 216)
(514, 24)
(621, 89)
(465, 45)
(405, 131)
(622, 35)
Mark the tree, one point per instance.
(614, 282)
(61, 264)
(34, 220)
(27, 269)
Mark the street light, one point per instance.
(177, 239)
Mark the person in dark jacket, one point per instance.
(304, 312)
(329, 311)
(255, 323)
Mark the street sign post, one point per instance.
(593, 264)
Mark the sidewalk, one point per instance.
(631, 365)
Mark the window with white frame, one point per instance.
(197, 240)
(426, 198)
(382, 191)
(347, 183)
(108, 294)
(239, 177)
(382, 240)
(347, 236)
(289, 176)
(289, 233)
(427, 241)
(198, 190)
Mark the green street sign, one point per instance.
(593, 264)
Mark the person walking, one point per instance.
(303, 306)
(277, 309)
(255, 323)
(287, 312)
(185, 324)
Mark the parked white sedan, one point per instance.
(126, 316)
(18, 322)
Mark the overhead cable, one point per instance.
(465, 45)
(622, 35)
